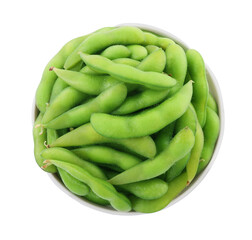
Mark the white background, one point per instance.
(32, 207)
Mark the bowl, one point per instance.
(215, 91)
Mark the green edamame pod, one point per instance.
(127, 61)
(151, 48)
(176, 186)
(141, 100)
(86, 135)
(92, 197)
(106, 102)
(60, 85)
(65, 155)
(39, 144)
(99, 41)
(148, 189)
(106, 155)
(146, 98)
(193, 162)
(164, 137)
(211, 133)
(72, 184)
(197, 71)
(67, 99)
(179, 146)
(48, 78)
(176, 65)
(154, 62)
(128, 73)
(116, 51)
(137, 52)
(142, 124)
(212, 103)
(99, 186)
(86, 83)
(188, 119)
(151, 39)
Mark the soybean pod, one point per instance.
(176, 65)
(176, 186)
(107, 155)
(142, 124)
(63, 154)
(39, 144)
(99, 41)
(116, 51)
(197, 71)
(211, 133)
(179, 146)
(99, 186)
(107, 101)
(86, 135)
(127, 73)
(137, 52)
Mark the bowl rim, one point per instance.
(218, 97)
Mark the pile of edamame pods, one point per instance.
(125, 118)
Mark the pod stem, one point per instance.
(42, 130)
(46, 165)
(46, 145)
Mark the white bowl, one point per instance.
(215, 91)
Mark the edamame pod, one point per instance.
(86, 83)
(127, 73)
(74, 185)
(60, 85)
(48, 78)
(137, 52)
(39, 144)
(154, 62)
(193, 162)
(67, 99)
(211, 133)
(176, 186)
(151, 39)
(99, 41)
(148, 189)
(212, 103)
(197, 71)
(141, 100)
(107, 101)
(92, 197)
(65, 155)
(127, 61)
(116, 51)
(106, 155)
(176, 65)
(188, 119)
(86, 135)
(142, 124)
(179, 146)
(99, 186)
